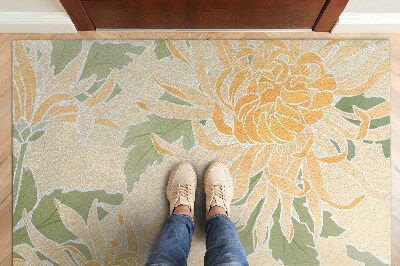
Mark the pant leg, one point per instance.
(173, 244)
(223, 243)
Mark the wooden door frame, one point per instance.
(78, 15)
(329, 15)
(325, 22)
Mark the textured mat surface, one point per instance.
(302, 124)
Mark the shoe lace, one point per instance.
(218, 191)
(183, 191)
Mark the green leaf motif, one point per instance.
(16, 134)
(365, 257)
(173, 99)
(25, 134)
(300, 251)
(117, 89)
(375, 123)
(27, 195)
(385, 144)
(36, 135)
(63, 52)
(351, 150)
(246, 234)
(346, 104)
(161, 49)
(379, 122)
(46, 219)
(101, 213)
(103, 57)
(303, 213)
(253, 181)
(329, 227)
(143, 152)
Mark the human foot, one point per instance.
(181, 189)
(218, 187)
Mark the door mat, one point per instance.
(302, 124)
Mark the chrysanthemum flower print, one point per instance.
(275, 101)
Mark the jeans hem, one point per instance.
(186, 216)
(218, 215)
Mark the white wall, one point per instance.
(373, 6)
(31, 6)
(34, 16)
(369, 16)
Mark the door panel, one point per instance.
(204, 14)
(318, 15)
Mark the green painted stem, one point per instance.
(18, 173)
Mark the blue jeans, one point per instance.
(222, 242)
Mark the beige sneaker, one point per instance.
(181, 187)
(218, 187)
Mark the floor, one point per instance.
(5, 111)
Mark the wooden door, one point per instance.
(318, 15)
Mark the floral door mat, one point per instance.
(302, 124)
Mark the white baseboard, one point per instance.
(368, 23)
(203, 30)
(36, 22)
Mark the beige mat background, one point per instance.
(5, 114)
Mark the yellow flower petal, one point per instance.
(251, 127)
(158, 147)
(289, 123)
(245, 52)
(334, 159)
(315, 208)
(306, 149)
(265, 216)
(219, 122)
(201, 69)
(286, 217)
(365, 121)
(321, 99)
(285, 185)
(310, 117)
(353, 171)
(220, 51)
(203, 140)
(52, 100)
(243, 178)
(286, 110)
(313, 171)
(379, 110)
(308, 58)
(239, 132)
(175, 51)
(28, 76)
(279, 131)
(194, 96)
(324, 84)
(63, 109)
(18, 94)
(65, 118)
(237, 81)
(264, 130)
(380, 70)
(103, 91)
(294, 97)
(105, 122)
